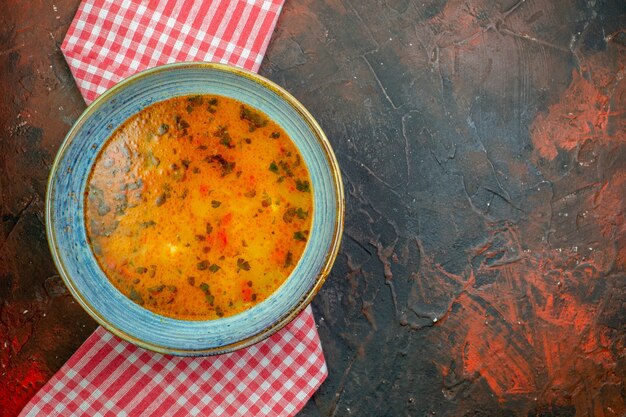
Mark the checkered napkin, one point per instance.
(110, 40)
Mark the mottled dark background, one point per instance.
(483, 149)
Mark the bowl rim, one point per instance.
(331, 254)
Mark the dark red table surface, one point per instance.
(483, 150)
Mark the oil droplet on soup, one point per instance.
(198, 207)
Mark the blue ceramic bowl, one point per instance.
(66, 227)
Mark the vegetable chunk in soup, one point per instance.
(198, 207)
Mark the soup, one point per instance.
(198, 207)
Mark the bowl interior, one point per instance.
(73, 255)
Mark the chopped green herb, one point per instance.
(195, 100)
(255, 119)
(210, 298)
(202, 265)
(303, 186)
(191, 281)
(207, 293)
(149, 223)
(141, 269)
(301, 213)
(135, 296)
(242, 264)
(288, 260)
(293, 212)
(275, 135)
(274, 167)
(224, 136)
(212, 108)
(209, 228)
(215, 203)
(181, 124)
(157, 289)
(214, 268)
(160, 200)
(227, 167)
(227, 141)
(286, 168)
(300, 235)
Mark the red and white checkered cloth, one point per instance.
(108, 41)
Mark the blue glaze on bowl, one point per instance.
(74, 257)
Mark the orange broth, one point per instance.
(198, 207)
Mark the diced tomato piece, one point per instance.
(222, 238)
(226, 219)
(246, 292)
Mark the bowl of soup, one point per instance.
(194, 209)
